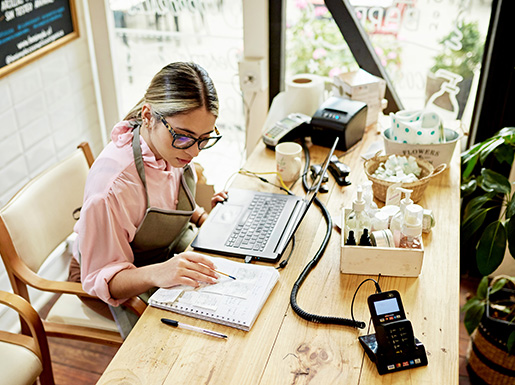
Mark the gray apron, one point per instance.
(161, 234)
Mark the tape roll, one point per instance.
(304, 93)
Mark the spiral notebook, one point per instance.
(236, 303)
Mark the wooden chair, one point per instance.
(24, 358)
(33, 224)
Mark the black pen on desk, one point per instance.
(181, 325)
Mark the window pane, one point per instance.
(151, 34)
(431, 49)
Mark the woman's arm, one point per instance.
(187, 268)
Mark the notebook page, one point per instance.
(231, 302)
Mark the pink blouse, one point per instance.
(114, 206)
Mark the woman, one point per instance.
(139, 198)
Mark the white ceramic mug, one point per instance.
(287, 158)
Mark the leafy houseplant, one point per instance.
(488, 213)
(488, 191)
(487, 302)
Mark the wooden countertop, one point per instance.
(281, 347)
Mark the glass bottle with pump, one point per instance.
(397, 219)
(368, 197)
(411, 231)
(358, 219)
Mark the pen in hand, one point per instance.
(219, 272)
(181, 325)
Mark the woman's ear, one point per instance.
(146, 115)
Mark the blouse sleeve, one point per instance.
(106, 228)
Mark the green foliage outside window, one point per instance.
(315, 45)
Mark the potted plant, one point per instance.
(486, 193)
(490, 320)
(461, 56)
(488, 214)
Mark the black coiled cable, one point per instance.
(318, 255)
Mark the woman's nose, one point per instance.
(193, 151)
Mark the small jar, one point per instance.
(382, 238)
(390, 210)
(380, 221)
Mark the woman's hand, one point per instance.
(219, 197)
(187, 268)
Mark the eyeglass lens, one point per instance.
(186, 142)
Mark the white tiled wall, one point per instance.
(46, 109)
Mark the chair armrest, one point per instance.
(29, 315)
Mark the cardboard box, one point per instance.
(364, 87)
(370, 260)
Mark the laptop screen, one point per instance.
(307, 200)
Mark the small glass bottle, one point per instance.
(411, 232)
(364, 240)
(358, 219)
(350, 240)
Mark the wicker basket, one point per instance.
(380, 186)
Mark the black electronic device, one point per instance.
(295, 125)
(315, 170)
(339, 117)
(339, 170)
(393, 347)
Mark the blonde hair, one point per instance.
(176, 89)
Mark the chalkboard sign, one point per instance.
(32, 28)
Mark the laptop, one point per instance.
(256, 225)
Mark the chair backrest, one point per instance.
(40, 216)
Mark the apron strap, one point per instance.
(138, 160)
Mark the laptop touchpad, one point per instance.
(228, 214)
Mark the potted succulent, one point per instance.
(488, 214)
(461, 56)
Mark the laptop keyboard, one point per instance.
(255, 227)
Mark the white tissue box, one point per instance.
(364, 87)
(371, 260)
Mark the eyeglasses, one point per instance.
(183, 142)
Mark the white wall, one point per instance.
(46, 109)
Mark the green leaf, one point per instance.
(482, 288)
(473, 316)
(493, 181)
(498, 285)
(491, 247)
(504, 154)
(507, 131)
(510, 344)
(475, 205)
(472, 223)
(470, 163)
(485, 151)
(469, 187)
(510, 209)
(510, 231)
(472, 303)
